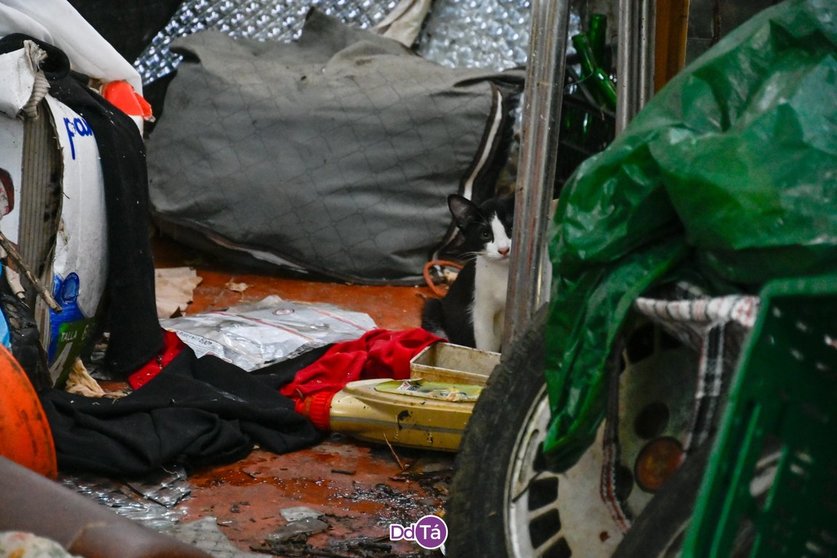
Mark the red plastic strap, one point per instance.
(172, 345)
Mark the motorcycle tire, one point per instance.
(497, 437)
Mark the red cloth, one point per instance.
(380, 353)
(172, 345)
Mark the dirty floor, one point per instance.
(359, 488)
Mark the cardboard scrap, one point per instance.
(174, 287)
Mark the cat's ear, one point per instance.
(507, 203)
(463, 210)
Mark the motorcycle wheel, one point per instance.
(519, 516)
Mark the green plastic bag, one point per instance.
(729, 172)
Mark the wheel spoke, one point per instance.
(525, 477)
(522, 488)
(541, 511)
(527, 458)
(548, 544)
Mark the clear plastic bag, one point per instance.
(254, 335)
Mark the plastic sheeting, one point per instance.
(151, 503)
(255, 335)
(727, 175)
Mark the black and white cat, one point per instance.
(472, 313)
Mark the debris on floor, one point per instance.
(252, 335)
(174, 287)
(299, 529)
(298, 513)
(81, 382)
(205, 534)
(153, 504)
(251, 498)
(235, 287)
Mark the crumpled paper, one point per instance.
(174, 287)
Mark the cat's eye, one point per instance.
(485, 235)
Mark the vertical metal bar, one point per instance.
(648, 30)
(543, 96)
(626, 67)
(634, 59)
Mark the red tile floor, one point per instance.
(360, 488)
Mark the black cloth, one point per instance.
(129, 25)
(135, 334)
(195, 412)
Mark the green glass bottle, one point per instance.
(597, 34)
(602, 88)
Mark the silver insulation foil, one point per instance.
(492, 34)
(151, 502)
(263, 20)
(477, 33)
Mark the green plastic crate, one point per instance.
(784, 398)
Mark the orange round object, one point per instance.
(657, 461)
(25, 435)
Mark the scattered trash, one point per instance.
(359, 547)
(402, 506)
(205, 535)
(167, 488)
(149, 497)
(157, 511)
(80, 382)
(395, 455)
(300, 529)
(236, 287)
(299, 512)
(174, 287)
(431, 465)
(254, 335)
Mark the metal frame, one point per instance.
(543, 96)
(635, 58)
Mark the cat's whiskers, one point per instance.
(467, 256)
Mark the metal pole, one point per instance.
(647, 26)
(543, 96)
(626, 63)
(634, 59)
